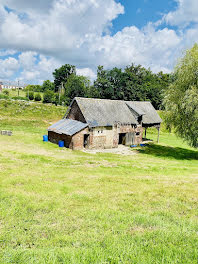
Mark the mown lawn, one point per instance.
(63, 206)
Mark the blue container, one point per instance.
(45, 138)
(142, 145)
(133, 146)
(61, 144)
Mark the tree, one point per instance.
(34, 88)
(76, 86)
(134, 83)
(48, 97)
(62, 74)
(181, 98)
(48, 86)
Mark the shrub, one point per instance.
(48, 97)
(31, 95)
(6, 92)
(2, 96)
(37, 97)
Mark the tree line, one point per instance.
(132, 83)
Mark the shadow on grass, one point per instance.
(170, 152)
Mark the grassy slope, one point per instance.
(62, 206)
(22, 93)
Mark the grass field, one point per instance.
(21, 93)
(63, 206)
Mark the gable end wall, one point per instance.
(75, 113)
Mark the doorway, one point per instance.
(122, 138)
(86, 140)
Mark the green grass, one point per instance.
(63, 206)
(21, 93)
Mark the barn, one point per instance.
(102, 123)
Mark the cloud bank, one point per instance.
(39, 36)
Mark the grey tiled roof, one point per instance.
(67, 126)
(150, 115)
(104, 112)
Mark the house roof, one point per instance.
(67, 126)
(151, 116)
(104, 112)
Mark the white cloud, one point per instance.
(50, 33)
(149, 47)
(27, 59)
(6, 52)
(37, 72)
(186, 12)
(8, 67)
(87, 72)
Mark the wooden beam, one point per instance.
(158, 128)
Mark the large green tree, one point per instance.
(62, 74)
(76, 86)
(48, 86)
(181, 98)
(134, 83)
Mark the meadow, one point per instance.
(21, 93)
(63, 206)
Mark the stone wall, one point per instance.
(99, 137)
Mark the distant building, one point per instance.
(10, 85)
(100, 123)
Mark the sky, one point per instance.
(37, 37)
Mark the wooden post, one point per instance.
(145, 133)
(158, 128)
(18, 87)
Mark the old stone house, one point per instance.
(101, 123)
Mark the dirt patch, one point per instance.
(121, 150)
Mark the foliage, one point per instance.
(134, 83)
(2, 96)
(37, 97)
(48, 85)
(76, 86)
(62, 74)
(6, 92)
(48, 96)
(31, 95)
(34, 88)
(59, 99)
(181, 98)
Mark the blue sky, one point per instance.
(39, 36)
(139, 13)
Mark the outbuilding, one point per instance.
(102, 123)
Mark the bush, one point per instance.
(31, 95)
(2, 96)
(48, 97)
(6, 92)
(37, 97)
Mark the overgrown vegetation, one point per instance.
(62, 206)
(181, 98)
